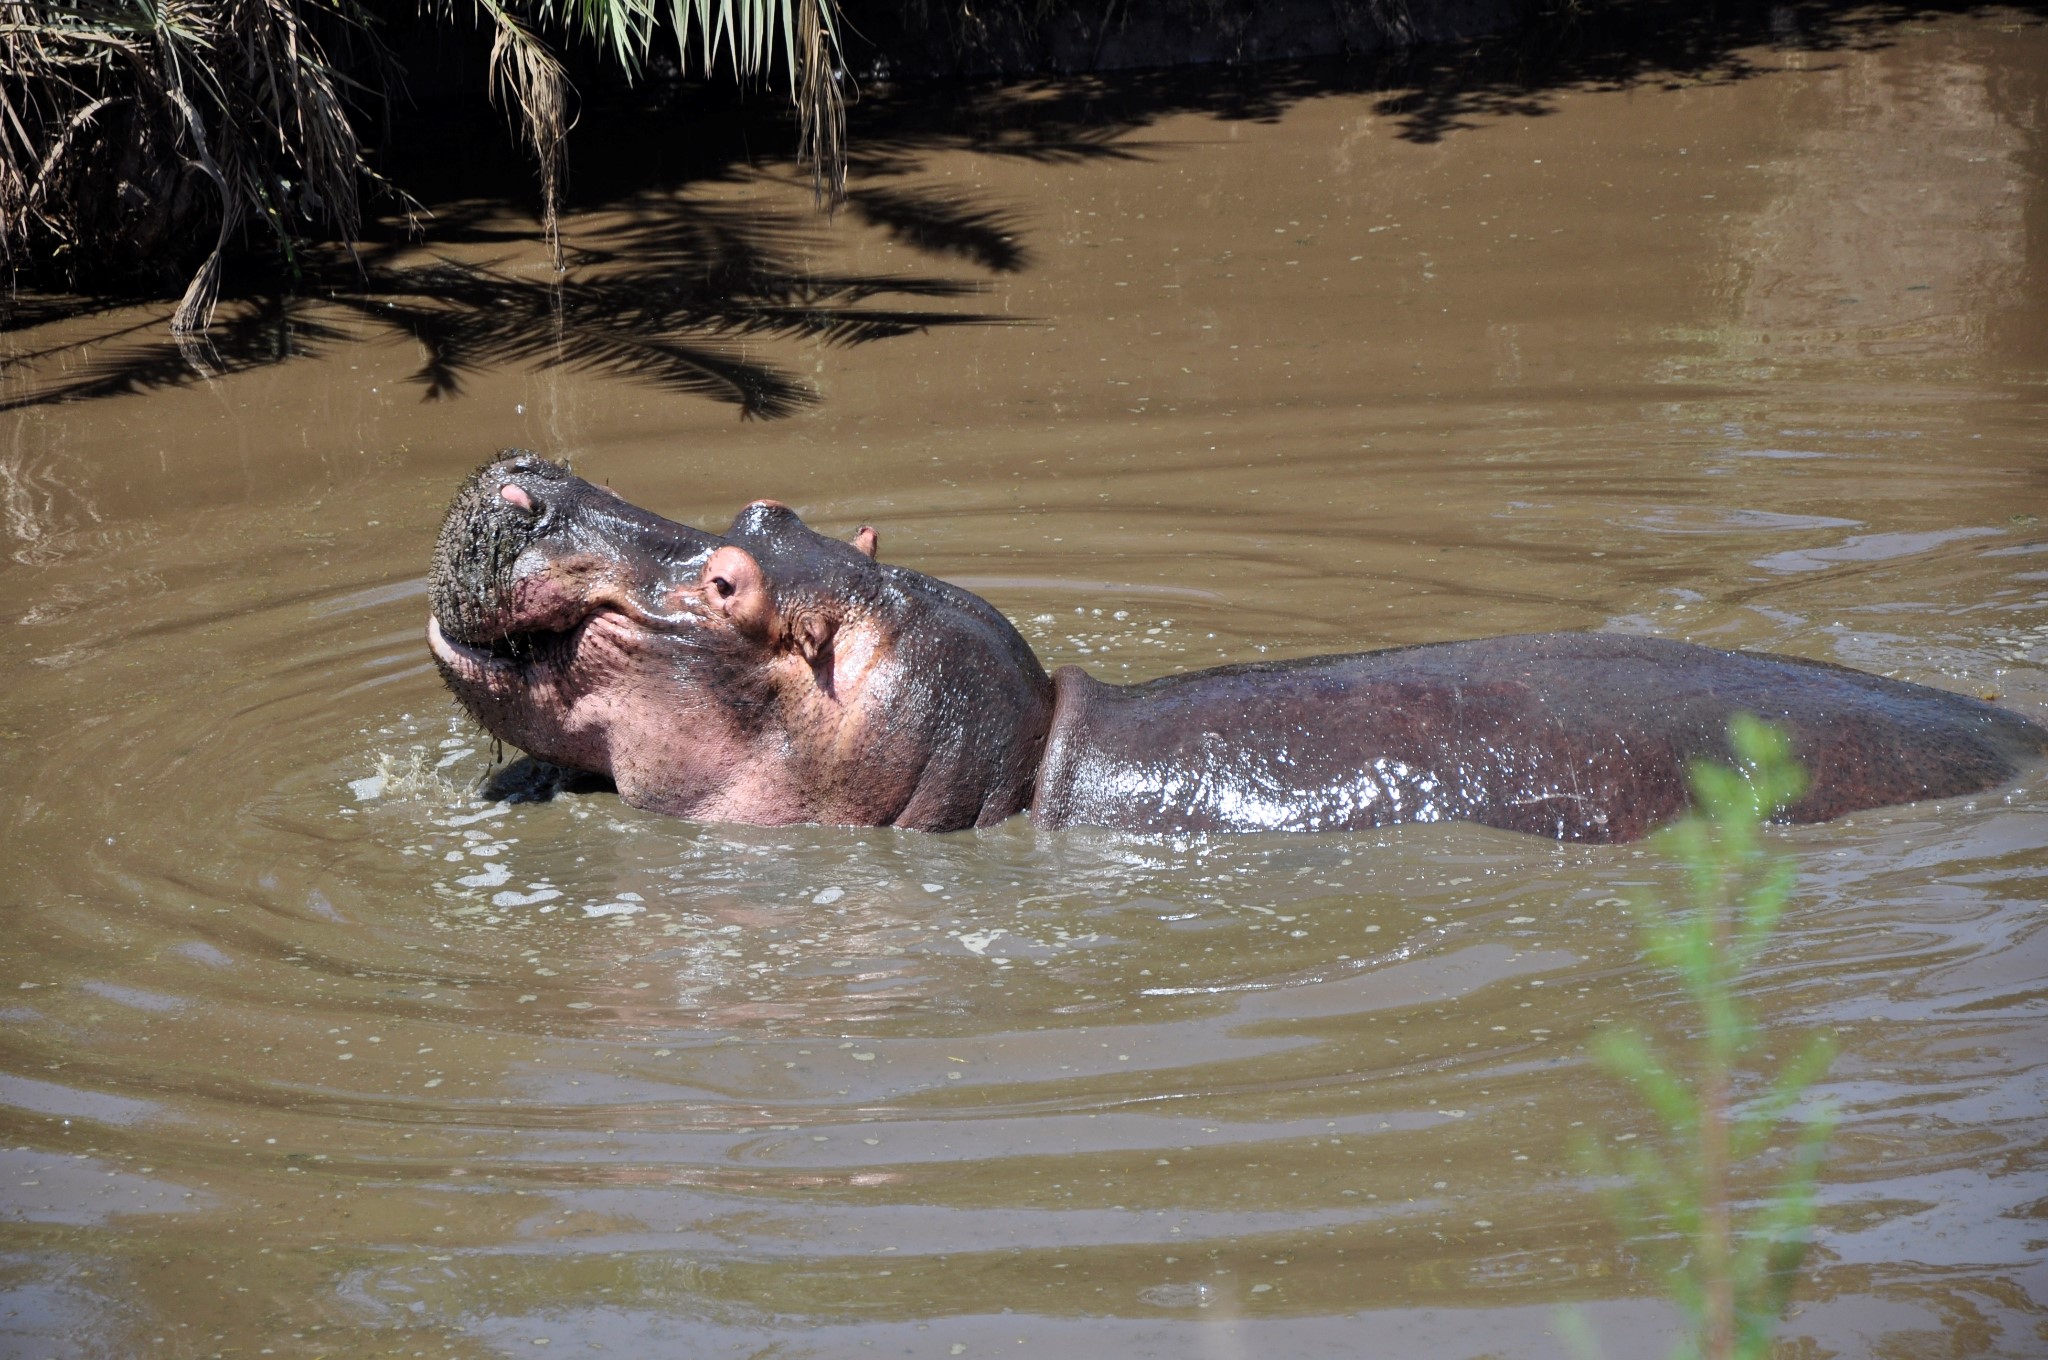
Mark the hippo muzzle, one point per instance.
(772, 675)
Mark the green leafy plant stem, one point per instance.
(1730, 1272)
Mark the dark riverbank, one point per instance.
(1048, 78)
(892, 42)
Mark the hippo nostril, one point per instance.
(515, 494)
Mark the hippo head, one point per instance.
(769, 675)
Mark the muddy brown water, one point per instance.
(311, 1051)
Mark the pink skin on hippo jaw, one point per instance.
(769, 675)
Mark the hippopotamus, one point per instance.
(774, 675)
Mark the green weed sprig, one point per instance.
(1731, 1272)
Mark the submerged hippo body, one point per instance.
(772, 675)
(1581, 736)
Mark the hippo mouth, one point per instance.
(503, 655)
(498, 656)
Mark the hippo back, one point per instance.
(1580, 736)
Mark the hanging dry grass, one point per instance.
(154, 132)
(127, 128)
(529, 83)
(821, 102)
(527, 79)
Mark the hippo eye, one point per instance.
(724, 587)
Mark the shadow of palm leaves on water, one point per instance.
(945, 222)
(662, 300)
(1647, 44)
(248, 335)
(638, 324)
(1427, 92)
(1020, 124)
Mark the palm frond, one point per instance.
(525, 74)
(820, 102)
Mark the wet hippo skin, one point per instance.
(1581, 736)
(773, 675)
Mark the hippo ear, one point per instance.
(734, 587)
(812, 632)
(866, 539)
